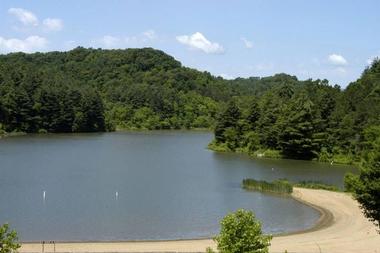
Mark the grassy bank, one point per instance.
(278, 186)
(316, 185)
(283, 186)
(263, 153)
(276, 154)
(5, 134)
(142, 129)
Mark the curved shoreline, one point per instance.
(340, 228)
(326, 218)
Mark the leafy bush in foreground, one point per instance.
(8, 240)
(241, 232)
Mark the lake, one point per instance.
(141, 186)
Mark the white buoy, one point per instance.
(272, 169)
(44, 195)
(117, 195)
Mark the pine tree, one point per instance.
(296, 134)
(228, 119)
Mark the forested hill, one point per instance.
(96, 90)
(305, 120)
(86, 90)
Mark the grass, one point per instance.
(218, 147)
(261, 153)
(283, 186)
(10, 134)
(316, 185)
(268, 153)
(343, 159)
(323, 156)
(278, 186)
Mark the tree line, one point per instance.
(305, 120)
(86, 90)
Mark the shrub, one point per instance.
(351, 182)
(8, 240)
(366, 187)
(241, 232)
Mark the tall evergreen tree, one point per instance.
(228, 119)
(296, 128)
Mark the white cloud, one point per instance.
(247, 43)
(30, 44)
(109, 41)
(199, 42)
(28, 18)
(263, 66)
(69, 44)
(150, 34)
(53, 24)
(24, 16)
(341, 70)
(132, 40)
(337, 59)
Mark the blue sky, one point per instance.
(310, 39)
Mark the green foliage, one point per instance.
(86, 90)
(342, 158)
(370, 140)
(283, 186)
(222, 147)
(8, 240)
(351, 182)
(268, 153)
(241, 232)
(278, 186)
(366, 187)
(251, 141)
(324, 155)
(304, 119)
(209, 250)
(226, 127)
(296, 137)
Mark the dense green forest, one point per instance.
(96, 90)
(305, 120)
(86, 90)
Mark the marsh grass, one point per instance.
(316, 185)
(278, 186)
(283, 186)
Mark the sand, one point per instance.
(342, 228)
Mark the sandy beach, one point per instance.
(342, 228)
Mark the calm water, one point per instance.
(169, 186)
